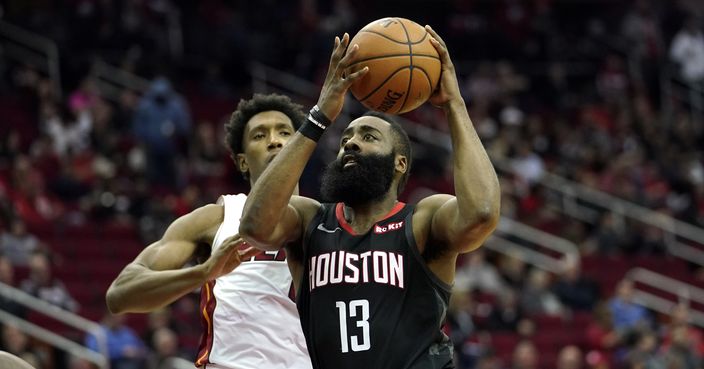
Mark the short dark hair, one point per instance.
(402, 144)
(246, 109)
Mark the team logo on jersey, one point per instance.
(388, 227)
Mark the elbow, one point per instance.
(113, 302)
(255, 236)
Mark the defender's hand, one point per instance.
(448, 89)
(227, 257)
(332, 95)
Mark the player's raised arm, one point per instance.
(271, 217)
(156, 277)
(463, 221)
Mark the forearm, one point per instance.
(139, 289)
(476, 185)
(270, 196)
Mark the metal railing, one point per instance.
(683, 292)
(33, 49)
(111, 81)
(68, 318)
(576, 196)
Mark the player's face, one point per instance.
(264, 136)
(365, 165)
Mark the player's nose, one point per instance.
(351, 145)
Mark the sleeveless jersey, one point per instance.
(370, 301)
(249, 318)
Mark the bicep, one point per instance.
(448, 227)
(166, 254)
(178, 244)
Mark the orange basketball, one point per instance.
(404, 67)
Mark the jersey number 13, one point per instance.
(354, 309)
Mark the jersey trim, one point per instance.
(416, 253)
(207, 308)
(339, 213)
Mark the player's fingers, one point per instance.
(349, 57)
(248, 252)
(231, 243)
(340, 49)
(351, 78)
(435, 35)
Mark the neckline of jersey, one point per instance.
(347, 227)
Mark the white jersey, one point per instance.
(249, 316)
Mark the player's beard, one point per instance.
(362, 183)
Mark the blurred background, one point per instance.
(591, 110)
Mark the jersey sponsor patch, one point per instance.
(381, 229)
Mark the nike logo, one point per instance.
(324, 229)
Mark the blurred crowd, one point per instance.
(606, 93)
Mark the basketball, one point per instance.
(404, 67)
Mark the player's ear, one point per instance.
(241, 162)
(401, 163)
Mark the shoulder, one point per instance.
(306, 207)
(429, 205)
(200, 224)
(209, 214)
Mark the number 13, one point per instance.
(361, 323)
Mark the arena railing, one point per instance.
(66, 317)
(32, 49)
(576, 196)
(111, 81)
(679, 292)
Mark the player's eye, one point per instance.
(285, 133)
(344, 141)
(258, 136)
(369, 137)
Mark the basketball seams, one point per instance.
(384, 36)
(392, 56)
(410, 65)
(391, 75)
(427, 76)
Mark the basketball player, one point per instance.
(374, 281)
(250, 320)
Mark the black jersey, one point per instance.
(369, 301)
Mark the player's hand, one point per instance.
(228, 256)
(448, 89)
(332, 95)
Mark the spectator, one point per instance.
(479, 274)
(17, 244)
(42, 284)
(600, 335)
(644, 353)
(125, 349)
(161, 122)
(7, 276)
(687, 50)
(525, 356)
(536, 297)
(627, 315)
(69, 131)
(507, 314)
(574, 290)
(17, 342)
(680, 318)
(570, 357)
(165, 344)
(682, 352)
